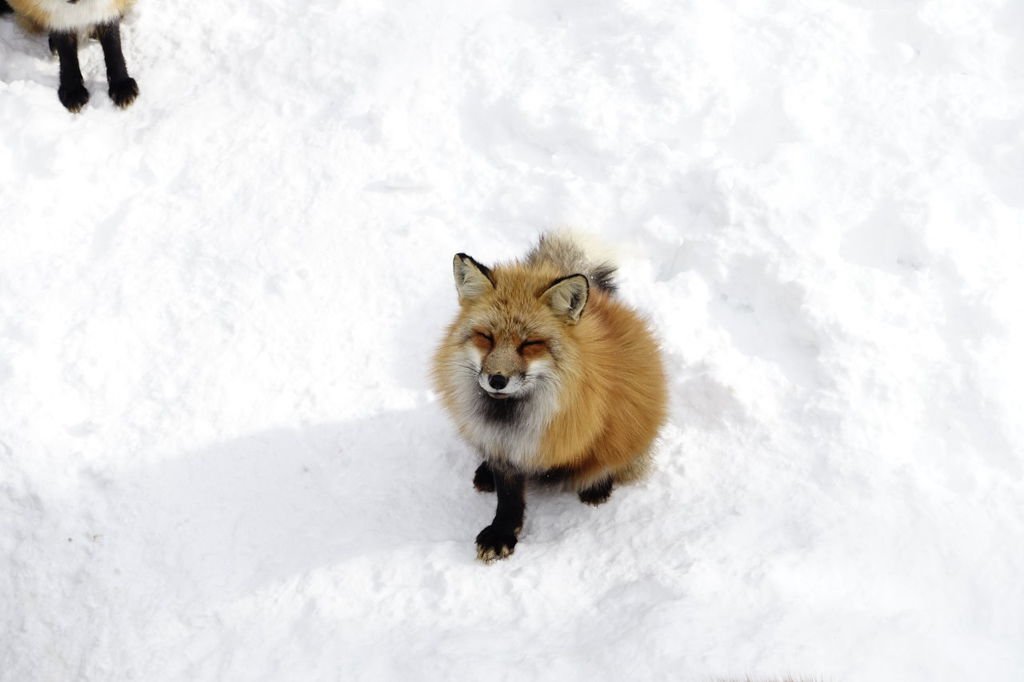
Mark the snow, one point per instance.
(220, 458)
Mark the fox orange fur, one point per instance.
(548, 376)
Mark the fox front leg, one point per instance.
(71, 92)
(483, 479)
(498, 540)
(122, 87)
(596, 493)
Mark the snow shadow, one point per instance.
(22, 53)
(282, 502)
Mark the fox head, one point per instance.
(513, 326)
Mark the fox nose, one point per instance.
(497, 381)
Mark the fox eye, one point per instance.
(535, 344)
(483, 338)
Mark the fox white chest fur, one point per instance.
(509, 431)
(61, 15)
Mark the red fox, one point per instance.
(548, 376)
(66, 21)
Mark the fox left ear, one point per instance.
(471, 278)
(567, 297)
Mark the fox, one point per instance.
(550, 378)
(67, 21)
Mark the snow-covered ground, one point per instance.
(220, 458)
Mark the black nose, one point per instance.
(497, 381)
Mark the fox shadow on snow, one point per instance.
(285, 501)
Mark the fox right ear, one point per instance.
(471, 278)
(567, 297)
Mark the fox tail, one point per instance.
(571, 253)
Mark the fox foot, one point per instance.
(597, 493)
(73, 97)
(124, 92)
(495, 543)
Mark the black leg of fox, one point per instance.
(5, 8)
(498, 540)
(597, 493)
(483, 479)
(123, 89)
(72, 92)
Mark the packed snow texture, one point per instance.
(220, 456)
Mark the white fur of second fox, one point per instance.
(61, 15)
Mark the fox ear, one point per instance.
(567, 297)
(471, 278)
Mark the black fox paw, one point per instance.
(495, 543)
(124, 92)
(483, 479)
(73, 97)
(596, 494)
